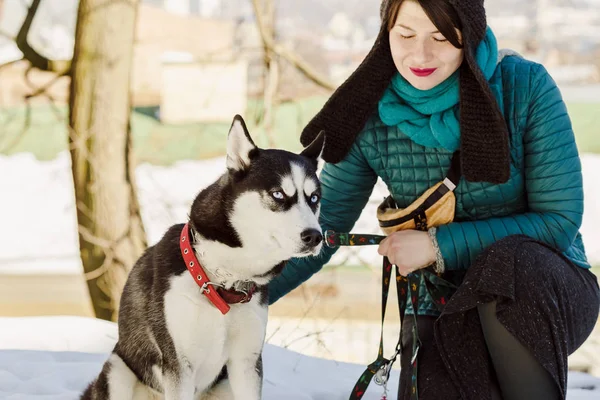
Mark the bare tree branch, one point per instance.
(37, 91)
(287, 54)
(43, 90)
(91, 238)
(271, 76)
(37, 60)
(316, 334)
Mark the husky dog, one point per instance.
(177, 340)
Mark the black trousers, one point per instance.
(547, 306)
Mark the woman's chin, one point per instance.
(421, 82)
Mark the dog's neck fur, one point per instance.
(226, 265)
(218, 247)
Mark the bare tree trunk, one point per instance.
(271, 75)
(111, 234)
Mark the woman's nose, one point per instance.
(422, 53)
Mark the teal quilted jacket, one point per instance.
(543, 197)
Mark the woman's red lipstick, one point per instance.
(421, 72)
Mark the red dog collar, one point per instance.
(219, 296)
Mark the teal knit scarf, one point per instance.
(430, 117)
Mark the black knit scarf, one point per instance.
(484, 134)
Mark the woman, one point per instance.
(433, 84)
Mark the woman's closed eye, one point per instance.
(440, 39)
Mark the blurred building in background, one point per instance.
(186, 62)
(215, 47)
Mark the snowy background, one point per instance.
(37, 203)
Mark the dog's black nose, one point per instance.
(311, 237)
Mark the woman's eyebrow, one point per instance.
(411, 29)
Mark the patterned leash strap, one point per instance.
(380, 369)
(335, 239)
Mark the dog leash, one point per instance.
(380, 369)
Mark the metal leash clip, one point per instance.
(382, 376)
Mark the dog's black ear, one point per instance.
(315, 149)
(239, 145)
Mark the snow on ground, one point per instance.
(37, 203)
(73, 350)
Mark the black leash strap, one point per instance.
(380, 368)
(406, 286)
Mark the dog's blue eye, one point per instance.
(314, 199)
(278, 195)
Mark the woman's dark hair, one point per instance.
(440, 12)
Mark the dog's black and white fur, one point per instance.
(174, 344)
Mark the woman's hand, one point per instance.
(409, 250)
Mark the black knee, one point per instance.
(533, 262)
(509, 245)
